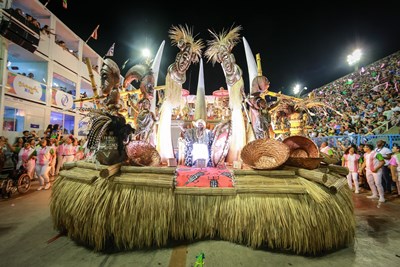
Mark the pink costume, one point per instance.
(351, 162)
(23, 157)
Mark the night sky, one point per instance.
(299, 43)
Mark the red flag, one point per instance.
(65, 4)
(94, 33)
(110, 52)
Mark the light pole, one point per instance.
(354, 58)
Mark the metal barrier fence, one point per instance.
(358, 139)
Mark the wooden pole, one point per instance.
(92, 81)
(315, 176)
(110, 170)
(338, 169)
(145, 169)
(268, 173)
(259, 69)
(69, 165)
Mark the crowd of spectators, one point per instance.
(368, 99)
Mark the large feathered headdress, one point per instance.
(225, 41)
(182, 37)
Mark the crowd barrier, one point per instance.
(357, 139)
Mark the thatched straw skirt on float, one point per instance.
(140, 207)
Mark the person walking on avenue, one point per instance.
(373, 163)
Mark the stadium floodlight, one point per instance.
(146, 53)
(297, 91)
(354, 57)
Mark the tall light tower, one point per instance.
(354, 58)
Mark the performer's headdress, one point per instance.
(183, 38)
(225, 41)
(196, 123)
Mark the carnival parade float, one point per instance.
(235, 182)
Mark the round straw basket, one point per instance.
(265, 154)
(304, 153)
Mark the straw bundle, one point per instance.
(69, 165)
(151, 180)
(265, 154)
(267, 173)
(110, 170)
(92, 166)
(303, 223)
(94, 214)
(144, 169)
(300, 215)
(330, 159)
(305, 163)
(336, 169)
(83, 175)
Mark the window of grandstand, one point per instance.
(64, 120)
(86, 89)
(14, 119)
(64, 84)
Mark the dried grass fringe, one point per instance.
(127, 217)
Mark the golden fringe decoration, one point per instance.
(173, 92)
(106, 213)
(235, 95)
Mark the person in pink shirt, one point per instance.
(25, 160)
(394, 164)
(373, 163)
(69, 150)
(44, 155)
(351, 160)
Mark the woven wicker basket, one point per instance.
(301, 147)
(304, 153)
(305, 163)
(141, 153)
(265, 154)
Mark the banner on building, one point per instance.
(62, 99)
(25, 87)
